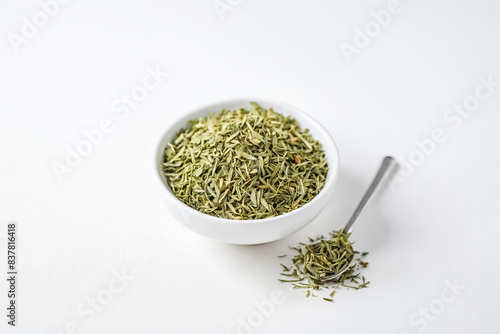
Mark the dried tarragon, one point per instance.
(245, 164)
(325, 257)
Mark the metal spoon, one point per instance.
(388, 166)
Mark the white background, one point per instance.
(440, 224)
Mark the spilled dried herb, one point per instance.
(245, 164)
(324, 257)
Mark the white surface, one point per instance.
(440, 224)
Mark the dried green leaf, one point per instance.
(245, 164)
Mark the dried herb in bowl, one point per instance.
(245, 164)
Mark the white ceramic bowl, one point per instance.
(248, 232)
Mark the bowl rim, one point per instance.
(185, 117)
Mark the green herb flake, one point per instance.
(245, 164)
(323, 257)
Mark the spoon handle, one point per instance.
(388, 165)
